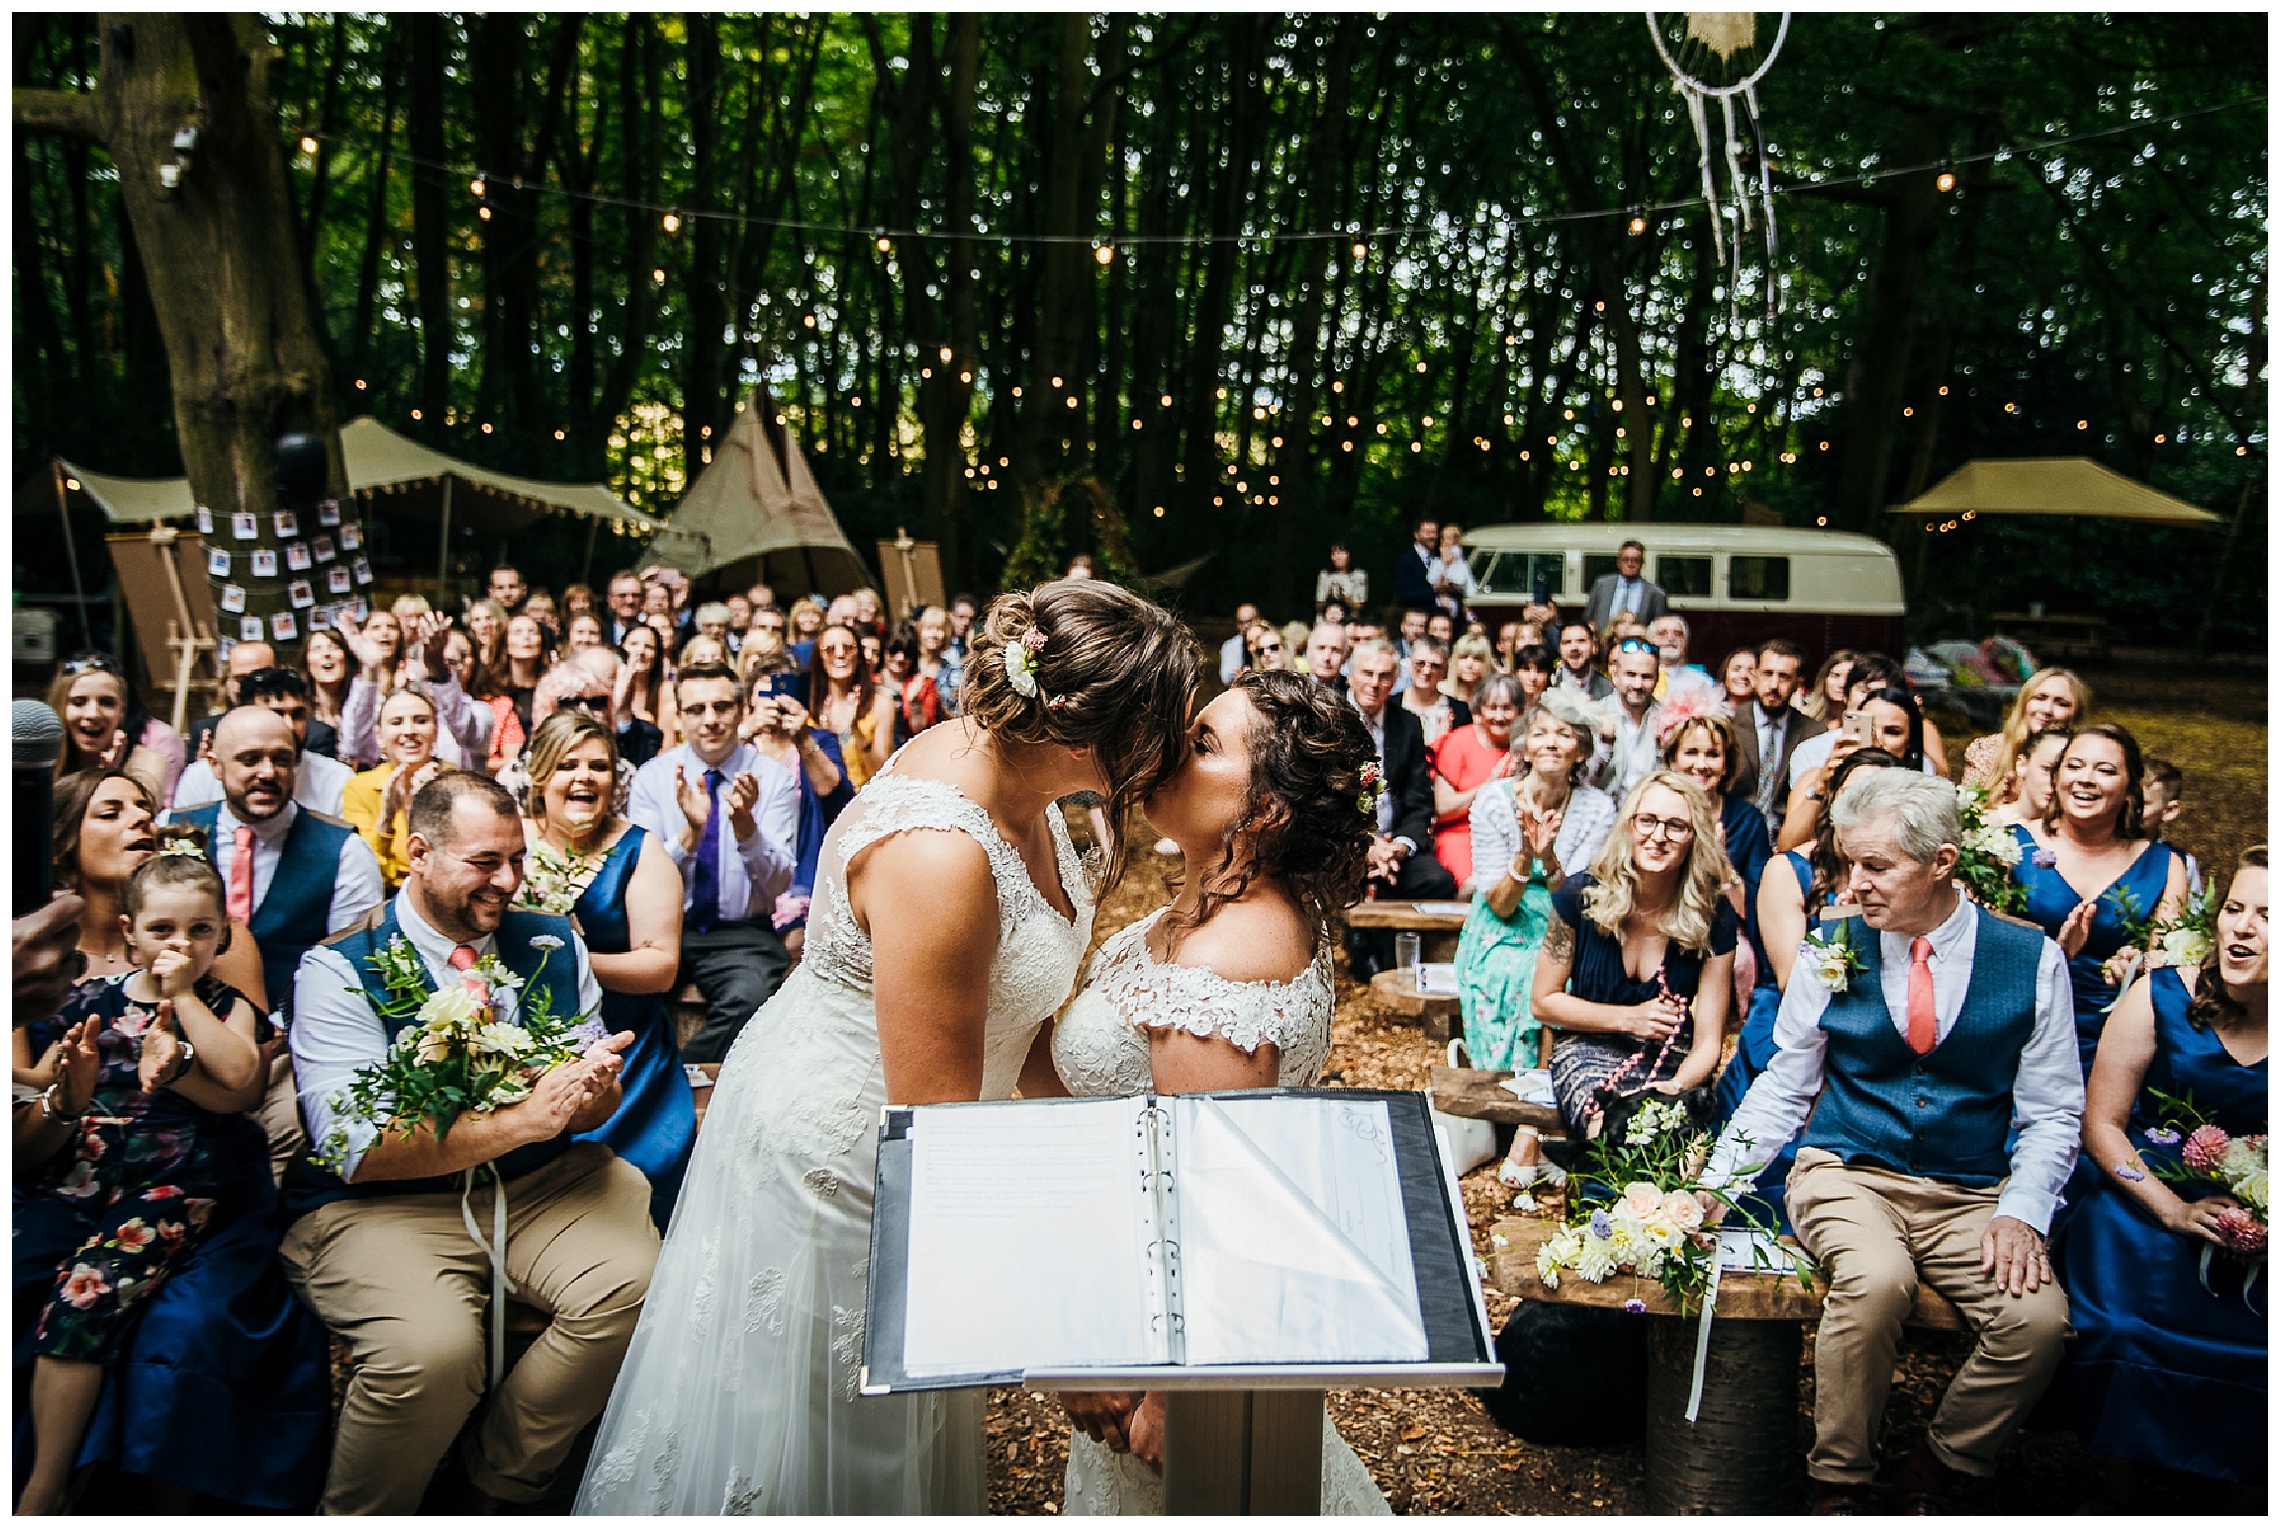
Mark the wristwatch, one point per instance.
(187, 1060)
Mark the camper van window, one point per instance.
(1684, 577)
(1757, 578)
(1596, 566)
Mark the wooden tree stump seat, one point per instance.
(1396, 994)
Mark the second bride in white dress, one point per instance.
(1229, 987)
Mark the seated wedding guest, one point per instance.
(244, 658)
(584, 631)
(2053, 697)
(1630, 752)
(526, 653)
(318, 779)
(1264, 647)
(712, 619)
(1476, 751)
(845, 699)
(2091, 871)
(729, 817)
(92, 700)
(2164, 804)
(936, 662)
(1401, 860)
(1530, 831)
(1579, 651)
(378, 801)
(1737, 675)
(1803, 894)
(2169, 1366)
(1637, 968)
(1768, 728)
(918, 705)
(1699, 744)
(591, 681)
(463, 723)
(780, 727)
(806, 616)
(136, 1151)
(1533, 667)
(1340, 581)
(1824, 700)
(1436, 713)
(1945, 1105)
(2027, 790)
(327, 666)
(619, 883)
(643, 692)
(379, 1247)
(578, 599)
(1470, 662)
(486, 623)
(1327, 646)
(293, 876)
(1890, 720)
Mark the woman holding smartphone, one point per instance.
(779, 726)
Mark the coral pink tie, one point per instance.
(1923, 1013)
(462, 957)
(241, 878)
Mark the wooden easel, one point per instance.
(156, 593)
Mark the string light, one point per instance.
(308, 144)
(476, 185)
(672, 222)
(1105, 254)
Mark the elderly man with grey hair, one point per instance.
(1916, 1052)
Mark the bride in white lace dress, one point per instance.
(1229, 987)
(949, 918)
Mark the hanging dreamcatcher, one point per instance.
(1720, 56)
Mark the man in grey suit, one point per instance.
(1626, 589)
(1768, 730)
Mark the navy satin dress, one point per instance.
(2050, 899)
(656, 1125)
(2163, 1370)
(1753, 1052)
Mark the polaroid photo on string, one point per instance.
(362, 571)
(282, 627)
(217, 563)
(249, 628)
(350, 538)
(233, 599)
(300, 594)
(287, 524)
(223, 647)
(359, 608)
(265, 562)
(205, 520)
(328, 512)
(245, 526)
(322, 549)
(297, 556)
(336, 579)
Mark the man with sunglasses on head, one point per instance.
(1630, 752)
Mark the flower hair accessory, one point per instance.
(1373, 788)
(184, 845)
(1021, 662)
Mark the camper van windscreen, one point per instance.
(1683, 577)
(1757, 578)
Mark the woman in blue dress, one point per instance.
(620, 885)
(2168, 1366)
(2089, 868)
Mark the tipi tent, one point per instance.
(756, 513)
(2054, 485)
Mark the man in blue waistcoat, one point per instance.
(291, 875)
(380, 1247)
(1948, 1027)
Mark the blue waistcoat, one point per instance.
(1945, 1114)
(296, 912)
(309, 1184)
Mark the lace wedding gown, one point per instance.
(738, 1394)
(1100, 1047)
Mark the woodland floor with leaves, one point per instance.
(1437, 1451)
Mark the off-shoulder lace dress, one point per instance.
(738, 1393)
(1100, 1047)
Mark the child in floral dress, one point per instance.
(132, 1124)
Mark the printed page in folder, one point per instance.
(1293, 1243)
(1028, 1239)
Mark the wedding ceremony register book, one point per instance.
(1279, 1238)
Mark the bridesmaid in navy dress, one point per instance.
(629, 914)
(2168, 1367)
(2094, 838)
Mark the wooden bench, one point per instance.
(1470, 1093)
(1739, 1454)
(1437, 929)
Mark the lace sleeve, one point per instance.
(1291, 1016)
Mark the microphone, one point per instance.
(36, 734)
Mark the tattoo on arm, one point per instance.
(1559, 941)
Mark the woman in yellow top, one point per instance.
(377, 801)
(844, 697)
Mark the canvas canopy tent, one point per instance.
(2052, 485)
(756, 513)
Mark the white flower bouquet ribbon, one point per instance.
(496, 1250)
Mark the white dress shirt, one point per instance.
(317, 784)
(1630, 594)
(1633, 755)
(754, 872)
(357, 887)
(335, 1033)
(1232, 657)
(2046, 1099)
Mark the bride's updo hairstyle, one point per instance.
(1101, 668)
(1309, 754)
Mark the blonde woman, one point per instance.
(1638, 959)
(2055, 697)
(376, 801)
(1825, 702)
(1469, 663)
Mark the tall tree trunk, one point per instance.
(1876, 380)
(431, 221)
(377, 232)
(704, 408)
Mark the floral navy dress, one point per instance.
(149, 1245)
(2050, 899)
(2169, 1359)
(656, 1125)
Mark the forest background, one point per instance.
(1255, 282)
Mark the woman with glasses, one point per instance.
(103, 727)
(856, 709)
(1637, 966)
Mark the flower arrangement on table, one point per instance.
(460, 1053)
(1987, 855)
(2210, 1157)
(1652, 1227)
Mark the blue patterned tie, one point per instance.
(704, 901)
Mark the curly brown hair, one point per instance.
(1309, 750)
(1114, 673)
